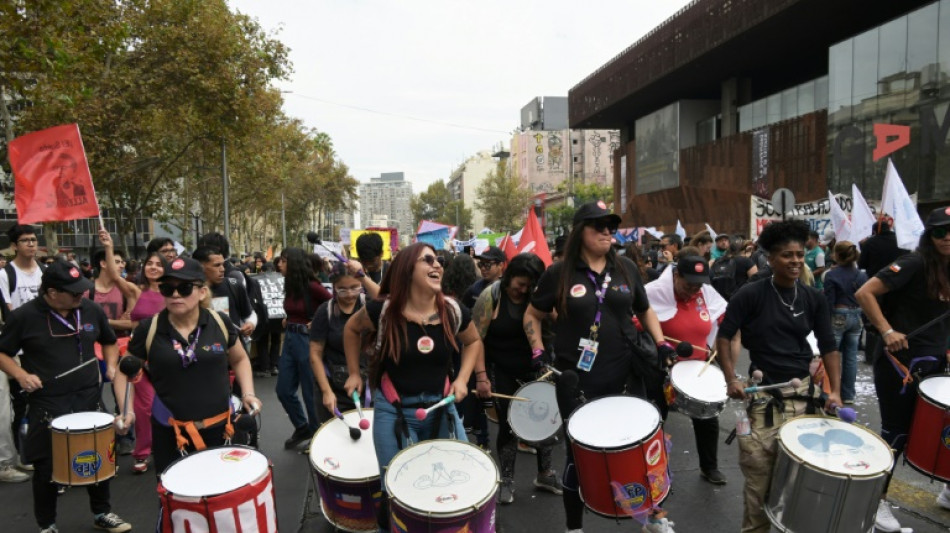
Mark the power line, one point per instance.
(396, 115)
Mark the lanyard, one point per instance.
(77, 329)
(187, 356)
(601, 293)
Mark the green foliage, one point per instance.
(436, 204)
(562, 215)
(502, 199)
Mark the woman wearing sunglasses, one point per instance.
(416, 331)
(905, 302)
(187, 352)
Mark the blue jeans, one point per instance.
(295, 371)
(846, 324)
(385, 420)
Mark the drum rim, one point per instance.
(267, 471)
(323, 511)
(669, 490)
(781, 443)
(83, 430)
(928, 398)
(627, 447)
(327, 475)
(567, 426)
(725, 397)
(553, 434)
(453, 514)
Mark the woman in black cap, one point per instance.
(595, 294)
(908, 303)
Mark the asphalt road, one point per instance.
(694, 505)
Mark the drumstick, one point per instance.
(795, 383)
(546, 375)
(677, 341)
(75, 368)
(507, 397)
(710, 360)
(551, 369)
(421, 413)
(125, 406)
(364, 422)
(355, 433)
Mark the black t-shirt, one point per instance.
(506, 345)
(907, 305)
(50, 347)
(612, 365)
(231, 298)
(419, 372)
(329, 331)
(203, 388)
(473, 292)
(743, 264)
(879, 251)
(777, 337)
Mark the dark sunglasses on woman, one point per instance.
(601, 224)
(184, 289)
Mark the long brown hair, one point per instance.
(396, 287)
(572, 253)
(935, 267)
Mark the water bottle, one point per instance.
(21, 435)
(743, 426)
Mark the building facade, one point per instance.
(464, 182)
(387, 198)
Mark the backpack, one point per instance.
(723, 276)
(11, 278)
(153, 327)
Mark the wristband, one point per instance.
(537, 352)
(666, 344)
(249, 394)
(480, 372)
(736, 381)
(888, 332)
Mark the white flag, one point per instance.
(712, 232)
(896, 202)
(862, 218)
(839, 220)
(679, 230)
(653, 231)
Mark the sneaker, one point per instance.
(884, 520)
(849, 402)
(261, 374)
(125, 447)
(9, 474)
(299, 436)
(140, 466)
(112, 523)
(24, 468)
(61, 489)
(506, 492)
(661, 525)
(713, 476)
(524, 448)
(548, 481)
(274, 371)
(50, 529)
(943, 500)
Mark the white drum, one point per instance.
(829, 476)
(438, 485)
(698, 396)
(537, 420)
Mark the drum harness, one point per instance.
(776, 402)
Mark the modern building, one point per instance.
(465, 180)
(730, 98)
(387, 197)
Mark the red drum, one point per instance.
(620, 453)
(928, 444)
(218, 490)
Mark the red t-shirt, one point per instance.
(691, 324)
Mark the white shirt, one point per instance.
(27, 285)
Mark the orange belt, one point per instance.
(191, 427)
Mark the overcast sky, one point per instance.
(420, 65)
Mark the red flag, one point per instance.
(533, 239)
(51, 176)
(508, 246)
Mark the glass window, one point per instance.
(864, 88)
(943, 40)
(839, 82)
(774, 108)
(892, 55)
(759, 113)
(745, 117)
(790, 103)
(922, 38)
(821, 93)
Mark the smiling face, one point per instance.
(427, 272)
(787, 261)
(518, 288)
(347, 289)
(153, 269)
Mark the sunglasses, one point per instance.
(939, 232)
(71, 293)
(430, 260)
(184, 289)
(602, 224)
(486, 264)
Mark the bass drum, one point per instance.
(537, 420)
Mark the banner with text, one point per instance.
(272, 287)
(816, 213)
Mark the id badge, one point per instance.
(588, 350)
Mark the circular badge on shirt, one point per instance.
(578, 290)
(425, 344)
(704, 315)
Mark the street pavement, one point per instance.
(694, 505)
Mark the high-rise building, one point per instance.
(466, 179)
(387, 197)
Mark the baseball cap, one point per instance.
(827, 237)
(184, 269)
(493, 253)
(693, 269)
(722, 236)
(938, 217)
(593, 211)
(65, 276)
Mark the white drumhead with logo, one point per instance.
(537, 419)
(613, 422)
(443, 477)
(710, 387)
(937, 389)
(214, 471)
(835, 446)
(81, 421)
(334, 454)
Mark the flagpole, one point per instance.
(82, 145)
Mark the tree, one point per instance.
(436, 204)
(502, 199)
(562, 215)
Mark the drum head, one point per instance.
(613, 422)
(214, 471)
(709, 388)
(835, 446)
(334, 454)
(537, 419)
(81, 421)
(442, 477)
(937, 389)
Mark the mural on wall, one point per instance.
(555, 151)
(539, 151)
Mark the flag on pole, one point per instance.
(51, 176)
(533, 239)
(896, 202)
(508, 246)
(712, 232)
(839, 220)
(862, 218)
(654, 232)
(680, 230)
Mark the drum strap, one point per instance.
(192, 427)
(906, 373)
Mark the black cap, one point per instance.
(938, 217)
(593, 211)
(722, 236)
(493, 253)
(65, 276)
(184, 269)
(693, 269)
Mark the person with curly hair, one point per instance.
(459, 275)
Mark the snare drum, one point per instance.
(346, 473)
(698, 396)
(537, 420)
(928, 443)
(218, 489)
(828, 477)
(620, 453)
(83, 448)
(442, 485)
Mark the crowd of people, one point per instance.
(403, 334)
